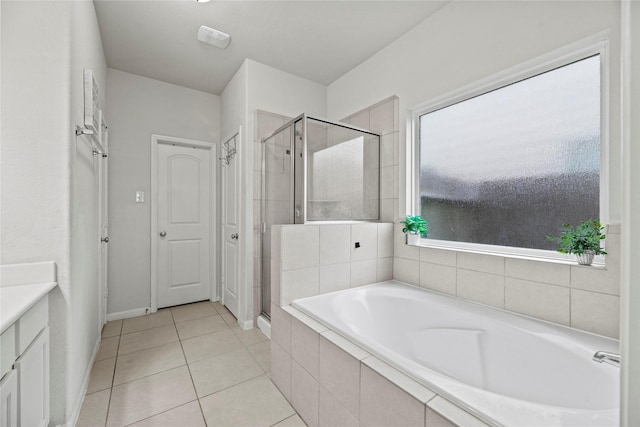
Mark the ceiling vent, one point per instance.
(213, 37)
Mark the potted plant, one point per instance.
(583, 240)
(414, 226)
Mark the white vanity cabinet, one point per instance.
(25, 369)
(9, 399)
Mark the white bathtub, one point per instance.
(504, 368)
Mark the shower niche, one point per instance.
(314, 170)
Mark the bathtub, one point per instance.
(504, 368)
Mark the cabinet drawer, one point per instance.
(7, 350)
(30, 325)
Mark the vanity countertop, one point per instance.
(17, 300)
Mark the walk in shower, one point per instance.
(316, 170)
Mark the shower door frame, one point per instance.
(291, 123)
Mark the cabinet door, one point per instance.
(9, 397)
(33, 383)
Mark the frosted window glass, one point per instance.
(511, 166)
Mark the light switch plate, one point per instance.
(139, 196)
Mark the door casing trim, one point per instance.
(213, 202)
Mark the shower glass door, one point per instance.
(277, 203)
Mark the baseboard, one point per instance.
(264, 325)
(246, 324)
(72, 419)
(128, 313)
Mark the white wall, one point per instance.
(256, 86)
(467, 41)
(47, 208)
(84, 325)
(138, 107)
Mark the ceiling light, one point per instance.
(213, 37)
(201, 1)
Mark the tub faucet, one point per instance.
(606, 357)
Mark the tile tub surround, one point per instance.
(333, 382)
(308, 260)
(382, 117)
(582, 297)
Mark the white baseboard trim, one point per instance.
(128, 313)
(264, 325)
(72, 419)
(246, 324)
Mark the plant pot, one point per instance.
(586, 258)
(413, 239)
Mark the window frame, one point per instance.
(595, 45)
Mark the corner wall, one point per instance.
(138, 107)
(48, 200)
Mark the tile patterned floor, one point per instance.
(188, 366)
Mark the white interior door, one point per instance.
(184, 216)
(231, 226)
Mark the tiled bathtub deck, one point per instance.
(185, 366)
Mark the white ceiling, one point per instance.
(317, 40)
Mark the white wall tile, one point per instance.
(276, 276)
(385, 269)
(360, 119)
(438, 256)
(385, 240)
(339, 373)
(603, 280)
(383, 404)
(276, 238)
(332, 413)
(305, 346)
(386, 148)
(304, 394)
(335, 277)
(345, 345)
(441, 278)
(386, 182)
(281, 327)
(299, 284)
(434, 419)
(382, 118)
(401, 249)
(538, 271)
(367, 235)
(594, 312)
(300, 247)
(407, 271)
(281, 369)
(481, 287)
(335, 244)
(479, 262)
(363, 272)
(386, 210)
(547, 302)
(451, 415)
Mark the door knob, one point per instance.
(234, 236)
(163, 233)
(105, 239)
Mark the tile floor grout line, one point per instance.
(195, 390)
(159, 413)
(106, 418)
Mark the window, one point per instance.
(511, 165)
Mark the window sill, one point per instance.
(508, 252)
